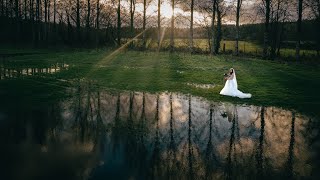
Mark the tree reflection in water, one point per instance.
(98, 134)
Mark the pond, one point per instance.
(19, 72)
(101, 134)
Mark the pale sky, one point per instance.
(248, 12)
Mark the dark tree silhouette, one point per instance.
(239, 3)
(159, 23)
(144, 23)
(172, 27)
(119, 24)
(299, 29)
(266, 29)
(191, 26)
(218, 37)
(214, 7)
(259, 155)
(291, 147)
(78, 20)
(88, 20)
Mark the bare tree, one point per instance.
(78, 20)
(144, 22)
(218, 37)
(2, 7)
(239, 3)
(172, 28)
(266, 30)
(37, 29)
(191, 26)
(159, 23)
(97, 22)
(214, 7)
(299, 30)
(314, 6)
(17, 19)
(25, 8)
(132, 11)
(46, 19)
(119, 24)
(259, 153)
(98, 15)
(88, 19)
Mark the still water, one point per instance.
(96, 134)
(9, 73)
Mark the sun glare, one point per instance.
(166, 10)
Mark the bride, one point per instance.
(231, 86)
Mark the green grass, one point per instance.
(271, 83)
(244, 47)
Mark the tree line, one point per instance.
(94, 23)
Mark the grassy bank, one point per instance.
(227, 47)
(271, 83)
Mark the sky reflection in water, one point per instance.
(99, 135)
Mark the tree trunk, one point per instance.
(11, 8)
(48, 14)
(219, 30)
(191, 26)
(54, 20)
(159, 24)
(6, 8)
(78, 21)
(144, 23)
(2, 11)
(98, 22)
(88, 20)
(131, 18)
(318, 38)
(119, 24)
(45, 18)
(17, 21)
(98, 15)
(54, 12)
(172, 28)
(69, 28)
(214, 6)
(280, 38)
(32, 11)
(275, 34)
(16, 9)
(40, 19)
(37, 28)
(25, 9)
(31, 16)
(299, 30)
(266, 30)
(239, 2)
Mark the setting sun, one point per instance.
(166, 10)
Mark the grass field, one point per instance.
(244, 47)
(270, 83)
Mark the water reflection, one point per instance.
(6, 72)
(134, 135)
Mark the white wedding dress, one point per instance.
(231, 89)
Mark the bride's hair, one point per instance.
(232, 70)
